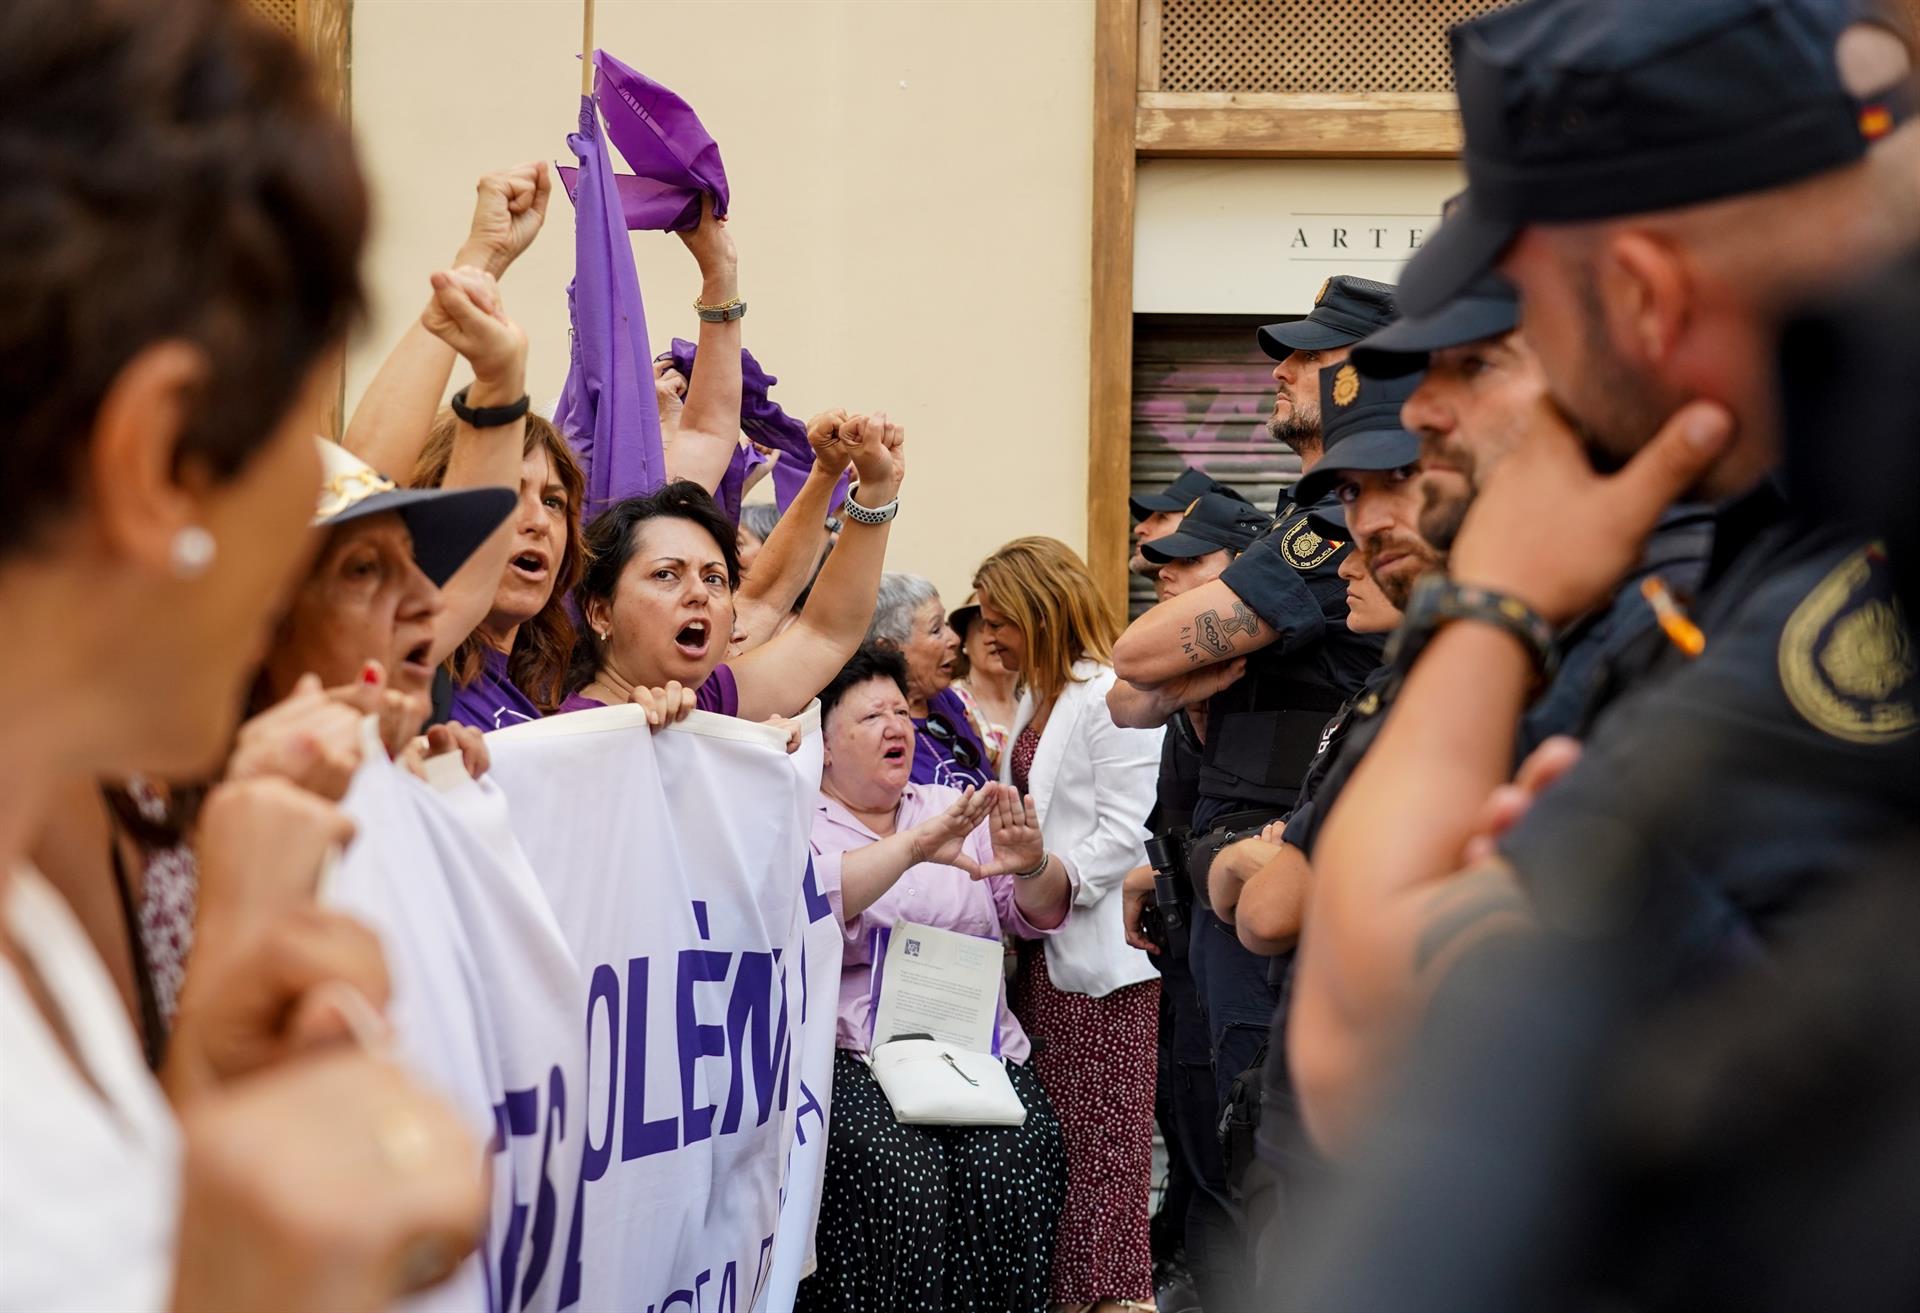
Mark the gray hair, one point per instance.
(758, 519)
(899, 597)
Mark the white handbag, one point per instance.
(934, 1084)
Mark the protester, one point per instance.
(160, 470)
(366, 610)
(512, 666)
(1091, 998)
(658, 595)
(757, 520)
(989, 691)
(917, 1216)
(908, 618)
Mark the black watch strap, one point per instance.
(1438, 601)
(490, 417)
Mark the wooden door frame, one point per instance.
(1134, 118)
(324, 29)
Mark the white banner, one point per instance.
(820, 944)
(486, 1005)
(675, 864)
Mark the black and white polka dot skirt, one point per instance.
(920, 1218)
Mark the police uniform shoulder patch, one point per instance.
(1847, 659)
(1303, 549)
(1346, 386)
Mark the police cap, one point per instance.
(1489, 308)
(1180, 494)
(1214, 523)
(1360, 424)
(1580, 110)
(1346, 310)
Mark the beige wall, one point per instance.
(911, 197)
(1260, 236)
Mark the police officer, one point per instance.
(1267, 645)
(1156, 514)
(1653, 289)
(1196, 540)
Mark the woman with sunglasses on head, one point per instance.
(908, 617)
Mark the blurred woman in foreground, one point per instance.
(161, 361)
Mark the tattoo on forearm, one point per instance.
(1214, 632)
(1479, 901)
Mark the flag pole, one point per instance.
(586, 52)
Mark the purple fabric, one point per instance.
(767, 424)
(675, 161)
(492, 701)
(929, 893)
(606, 407)
(933, 761)
(720, 695)
(733, 484)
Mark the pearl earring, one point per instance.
(193, 551)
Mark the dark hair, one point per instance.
(870, 661)
(610, 545)
(172, 172)
(543, 647)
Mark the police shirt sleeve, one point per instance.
(1281, 594)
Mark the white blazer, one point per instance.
(1093, 785)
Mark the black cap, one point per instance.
(1360, 424)
(1346, 310)
(1180, 494)
(1330, 522)
(1578, 110)
(1214, 523)
(447, 524)
(963, 616)
(1490, 308)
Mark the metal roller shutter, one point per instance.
(1202, 391)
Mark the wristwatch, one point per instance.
(1438, 601)
(859, 514)
(725, 312)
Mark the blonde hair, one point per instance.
(1043, 586)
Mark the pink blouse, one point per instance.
(929, 893)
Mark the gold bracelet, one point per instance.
(716, 309)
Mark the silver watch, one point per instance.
(859, 514)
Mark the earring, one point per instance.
(600, 634)
(193, 551)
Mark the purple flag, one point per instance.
(606, 408)
(674, 159)
(762, 419)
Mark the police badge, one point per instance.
(1846, 657)
(1303, 549)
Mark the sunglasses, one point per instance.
(941, 731)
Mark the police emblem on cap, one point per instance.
(1303, 549)
(1346, 386)
(1321, 295)
(1847, 659)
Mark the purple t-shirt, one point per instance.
(720, 695)
(492, 701)
(937, 762)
